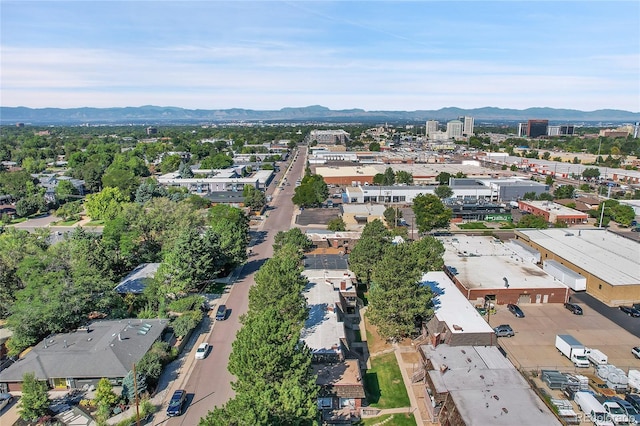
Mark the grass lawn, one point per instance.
(473, 225)
(95, 223)
(384, 385)
(65, 223)
(395, 420)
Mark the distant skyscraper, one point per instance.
(432, 128)
(467, 130)
(523, 129)
(454, 129)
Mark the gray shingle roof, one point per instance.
(107, 349)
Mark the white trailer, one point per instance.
(570, 347)
(596, 357)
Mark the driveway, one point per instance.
(615, 315)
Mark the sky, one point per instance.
(373, 55)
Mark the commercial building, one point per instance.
(553, 212)
(467, 129)
(231, 179)
(432, 128)
(537, 128)
(608, 261)
(361, 214)
(478, 386)
(329, 137)
(486, 269)
(455, 321)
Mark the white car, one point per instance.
(636, 351)
(5, 399)
(202, 350)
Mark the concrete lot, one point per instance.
(533, 346)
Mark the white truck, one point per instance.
(570, 347)
(593, 410)
(596, 357)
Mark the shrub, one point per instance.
(186, 303)
(186, 322)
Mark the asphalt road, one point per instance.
(209, 382)
(632, 325)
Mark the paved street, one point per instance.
(209, 383)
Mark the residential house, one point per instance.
(102, 349)
(136, 281)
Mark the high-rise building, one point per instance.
(467, 128)
(523, 129)
(454, 129)
(432, 128)
(537, 128)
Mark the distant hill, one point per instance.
(173, 115)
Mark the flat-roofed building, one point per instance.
(484, 268)
(361, 214)
(331, 137)
(553, 212)
(455, 321)
(609, 262)
(478, 386)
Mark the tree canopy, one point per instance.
(430, 213)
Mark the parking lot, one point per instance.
(533, 346)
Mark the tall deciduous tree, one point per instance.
(253, 197)
(232, 227)
(443, 191)
(398, 302)
(404, 177)
(369, 249)
(34, 401)
(430, 213)
(106, 204)
(312, 191)
(294, 237)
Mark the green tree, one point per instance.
(564, 191)
(65, 190)
(374, 146)
(443, 178)
(34, 401)
(532, 221)
(591, 173)
(218, 161)
(186, 322)
(443, 191)
(18, 184)
(378, 179)
(184, 170)
(105, 394)
(311, 192)
(129, 389)
(106, 204)
(548, 180)
(389, 177)
(170, 163)
(70, 210)
(398, 302)
(254, 198)
(148, 190)
(369, 249)
(513, 168)
(232, 227)
(430, 213)
(392, 215)
(194, 259)
(294, 237)
(336, 224)
(404, 177)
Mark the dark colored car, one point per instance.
(574, 308)
(177, 403)
(630, 311)
(504, 330)
(633, 399)
(221, 313)
(515, 310)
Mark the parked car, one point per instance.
(5, 399)
(574, 308)
(221, 313)
(636, 351)
(633, 399)
(616, 413)
(176, 403)
(632, 312)
(504, 330)
(202, 350)
(634, 415)
(515, 310)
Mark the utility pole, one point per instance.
(135, 391)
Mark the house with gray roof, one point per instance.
(82, 357)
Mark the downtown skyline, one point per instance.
(371, 55)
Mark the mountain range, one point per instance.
(174, 115)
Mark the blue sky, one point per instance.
(374, 55)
